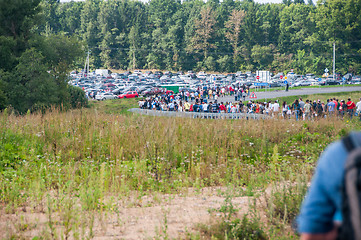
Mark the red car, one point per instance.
(129, 95)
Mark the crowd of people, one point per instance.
(209, 103)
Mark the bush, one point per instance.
(77, 97)
(247, 228)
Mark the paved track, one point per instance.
(297, 92)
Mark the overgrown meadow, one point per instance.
(74, 166)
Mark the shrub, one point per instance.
(77, 97)
(247, 228)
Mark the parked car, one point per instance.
(310, 75)
(302, 83)
(131, 94)
(118, 91)
(275, 84)
(315, 83)
(331, 82)
(184, 89)
(105, 96)
(347, 77)
(153, 91)
(202, 75)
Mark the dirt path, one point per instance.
(148, 217)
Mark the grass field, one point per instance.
(355, 96)
(303, 87)
(78, 174)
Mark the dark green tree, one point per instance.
(299, 1)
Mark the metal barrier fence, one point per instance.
(202, 115)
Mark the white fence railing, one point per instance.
(199, 114)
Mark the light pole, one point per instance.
(334, 60)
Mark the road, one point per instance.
(297, 92)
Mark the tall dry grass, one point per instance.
(74, 162)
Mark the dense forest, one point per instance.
(34, 65)
(224, 36)
(41, 41)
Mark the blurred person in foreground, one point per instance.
(321, 212)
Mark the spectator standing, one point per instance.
(296, 108)
(267, 108)
(210, 93)
(215, 107)
(240, 106)
(257, 108)
(192, 96)
(196, 107)
(233, 109)
(302, 104)
(358, 108)
(350, 107)
(261, 108)
(338, 108)
(284, 109)
(222, 108)
(319, 108)
(307, 110)
(275, 108)
(330, 107)
(205, 107)
(343, 108)
(187, 106)
(270, 105)
(171, 106)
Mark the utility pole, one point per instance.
(86, 66)
(334, 59)
(88, 62)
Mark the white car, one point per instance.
(302, 83)
(105, 96)
(315, 83)
(202, 75)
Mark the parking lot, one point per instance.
(102, 85)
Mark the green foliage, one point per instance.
(7, 46)
(32, 85)
(284, 203)
(33, 68)
(72, 164)
(18, 17)
(177, 35)
(77, 97)
(3, 99)
(245, 228)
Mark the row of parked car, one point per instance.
(110, 95)
(130, 85)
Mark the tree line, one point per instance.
(34, 65)
(225, 36)
(42, 40)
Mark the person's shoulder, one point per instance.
(336, 153)
(333, 156)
